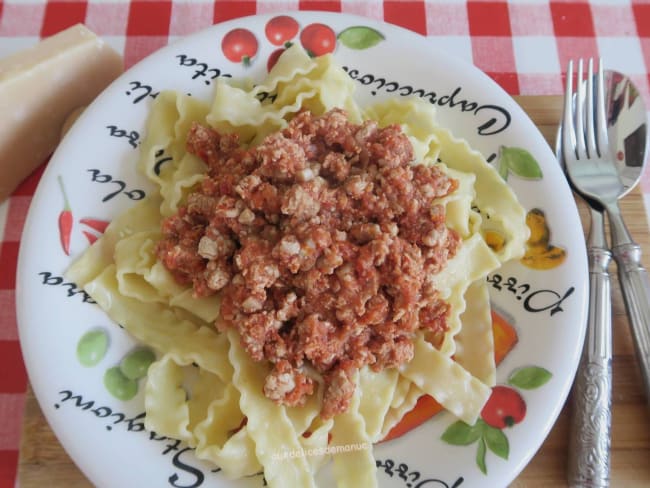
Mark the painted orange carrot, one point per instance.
(65, 220)
(505, 338)
(425, 408)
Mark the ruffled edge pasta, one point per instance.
(121, 273)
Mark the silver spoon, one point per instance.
(591, 413)
(627, 128)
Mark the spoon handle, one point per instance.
(635, 287)
(591, 413)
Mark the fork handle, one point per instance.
(591, 399)
(635, 287)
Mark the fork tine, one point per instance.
(568, 128)
(601, 122)
(581, 151)
(591, 137)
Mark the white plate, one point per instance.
(105, 436)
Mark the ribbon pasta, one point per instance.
(204, 389)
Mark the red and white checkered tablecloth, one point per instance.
(522, 44)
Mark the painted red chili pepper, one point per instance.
(98, 225)
(65, 220)
(91, 237)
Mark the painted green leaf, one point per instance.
(520, 162)
(530, 377)
(503, 169)
(497, 442)
(480, 456)
(461, 434)
(360, 37)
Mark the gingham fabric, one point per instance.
(523, 45)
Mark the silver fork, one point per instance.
(584, 144)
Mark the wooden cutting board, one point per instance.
(43, 462)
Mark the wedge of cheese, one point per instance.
(40, 88)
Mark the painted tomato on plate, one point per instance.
(504, 408)
(239, 45)
(318, 39)
(281, 29)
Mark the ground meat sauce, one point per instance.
(320, 241)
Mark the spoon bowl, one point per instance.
(626, 128)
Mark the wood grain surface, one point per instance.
(43, 462)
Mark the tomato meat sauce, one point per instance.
(321, 242)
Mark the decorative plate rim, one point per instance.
(46, 197)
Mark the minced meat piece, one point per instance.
(319, 241)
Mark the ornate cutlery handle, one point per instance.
(635, 287)
(591, 412)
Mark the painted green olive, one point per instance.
(119, 385)
(135, 364)
(92, 347)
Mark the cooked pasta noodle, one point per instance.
(219, 408)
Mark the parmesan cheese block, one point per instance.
(40, 88)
